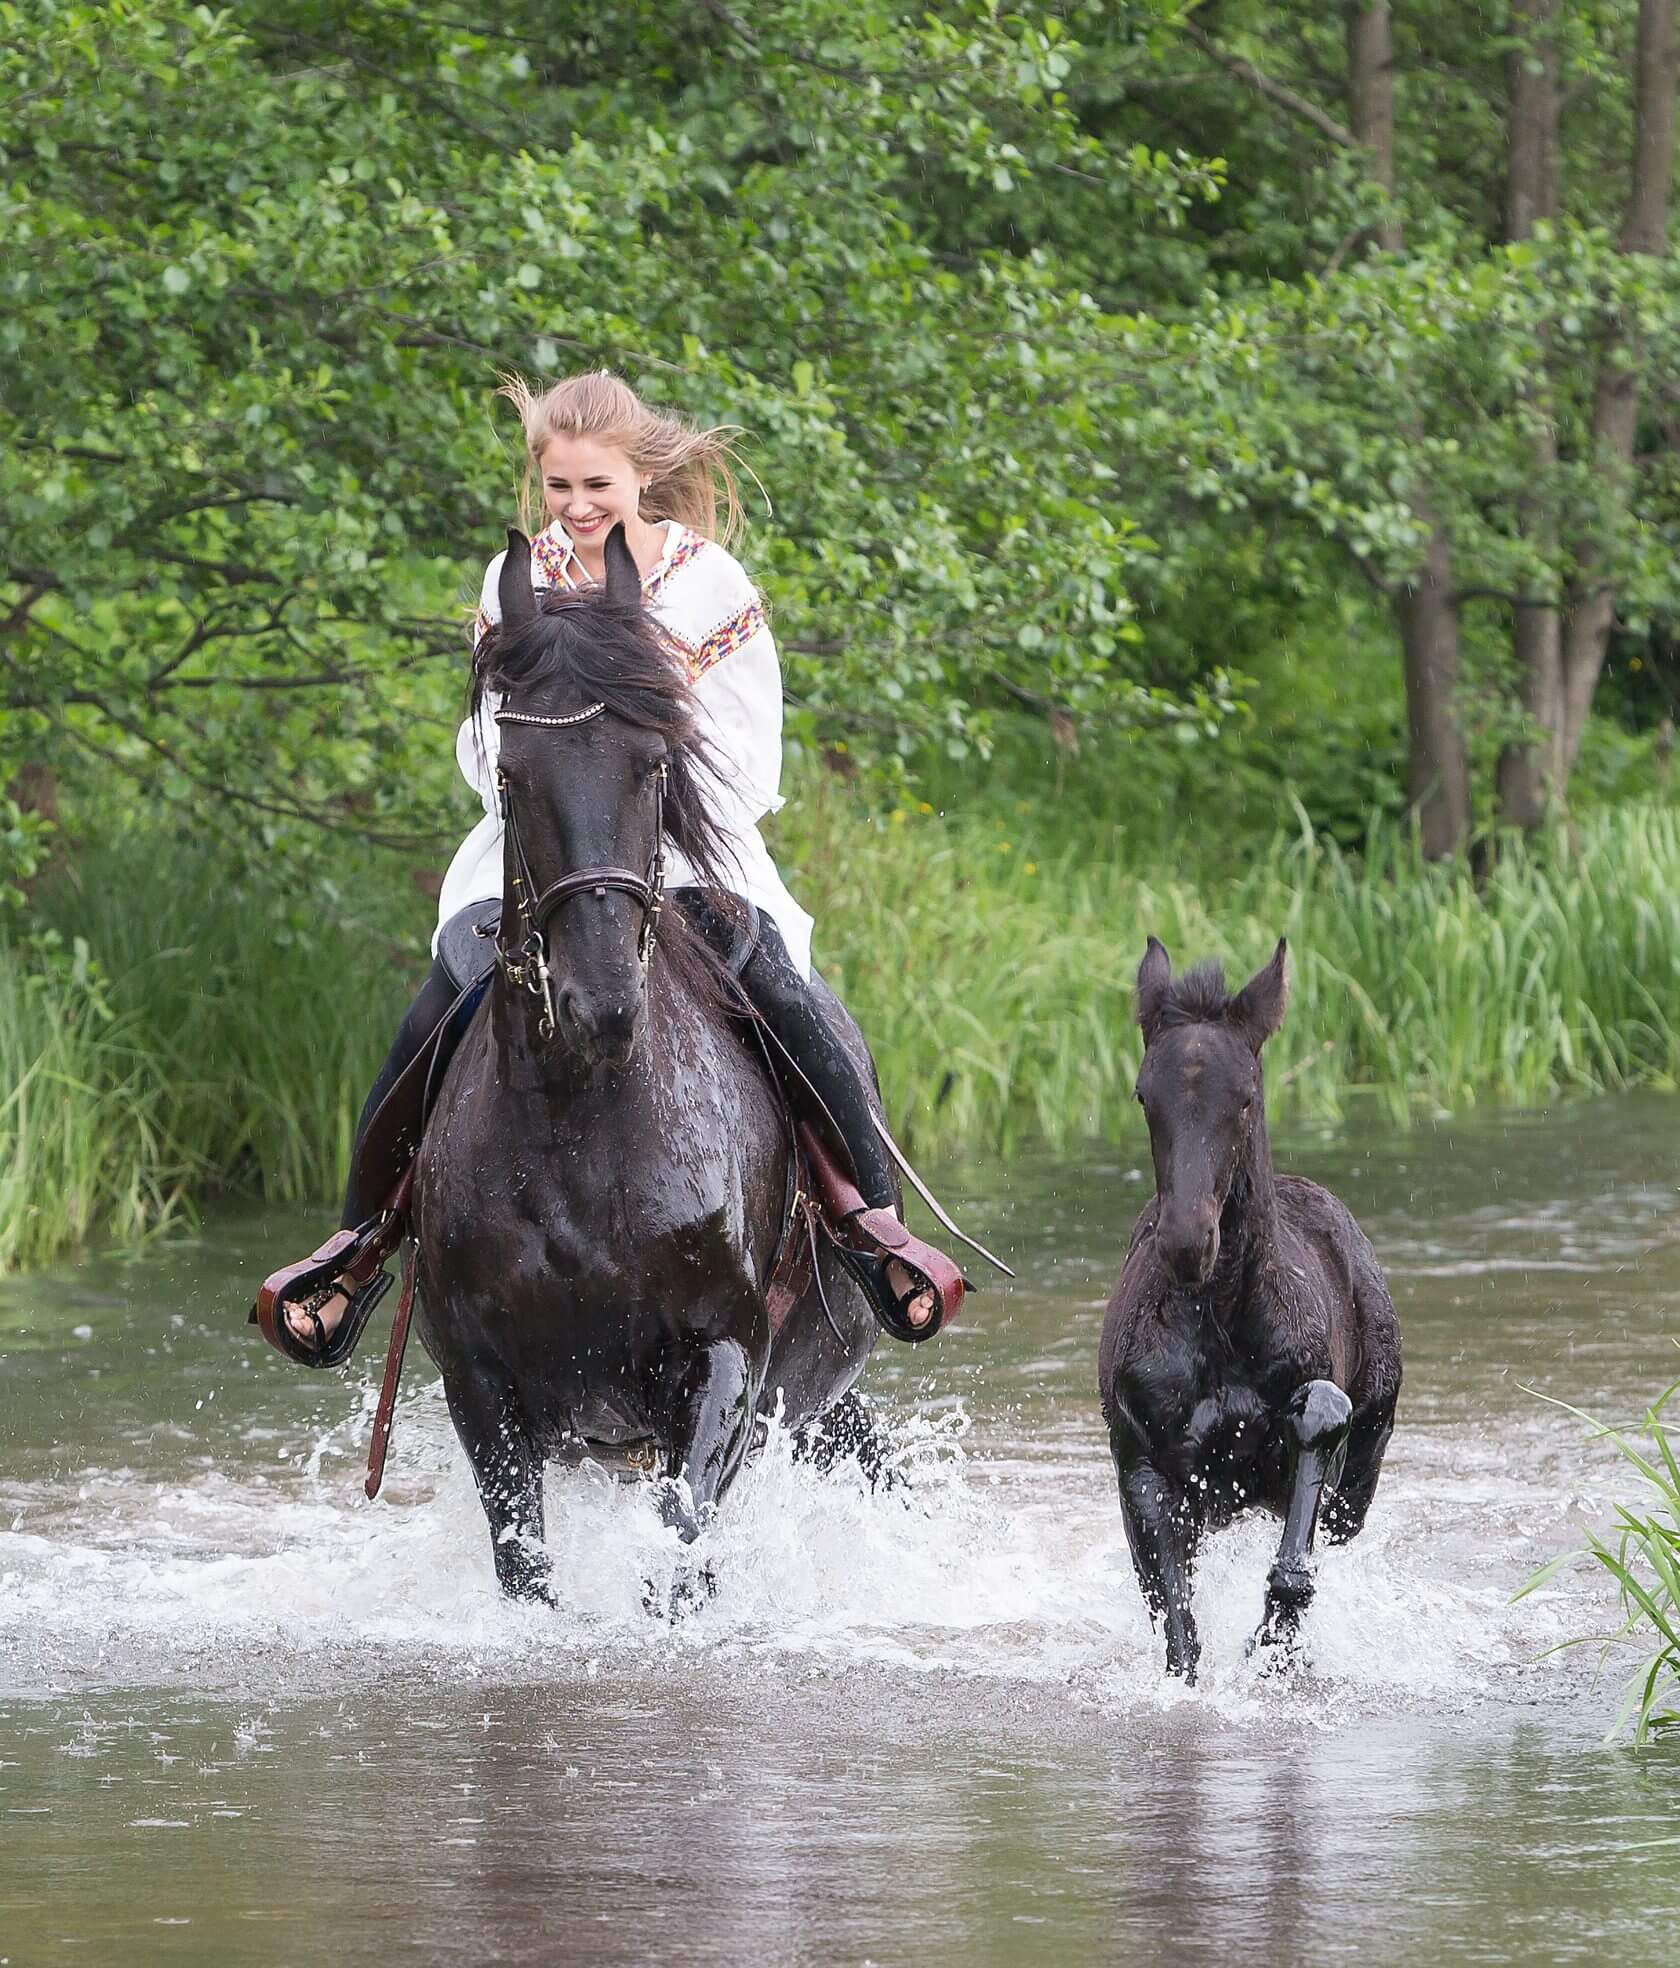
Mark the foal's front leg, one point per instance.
(1316, 1424)
(1159, 1534)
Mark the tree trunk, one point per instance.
(1438, 774)
(1370, 55)
(1530, 774)
(1620, 377)
(1438, 771)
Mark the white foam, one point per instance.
(1006, 1567)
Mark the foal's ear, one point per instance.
(1154, 975)
(513, 585)
(1257, 1009)
(624, 577)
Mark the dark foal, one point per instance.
(1250, 1354)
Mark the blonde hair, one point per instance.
(691, 471)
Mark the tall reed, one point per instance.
(218, 1034)
(993, 972)
(230, 1025)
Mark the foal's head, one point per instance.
(1201, 1091)
(588, 794)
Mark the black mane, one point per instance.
(602, 651)
(1197, 997)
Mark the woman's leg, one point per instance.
(365, 1194)
(783, 999)
(420, 1021)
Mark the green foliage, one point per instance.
(197, 1029)
(187, 1029)
(1641, 1552)
(246, 495)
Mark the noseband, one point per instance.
(525, 963)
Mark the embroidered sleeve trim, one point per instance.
(656, 582)
(734, 634)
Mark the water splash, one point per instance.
(1004, 1566)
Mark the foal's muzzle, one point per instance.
(1187, 1238)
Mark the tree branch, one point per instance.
(1275, 92)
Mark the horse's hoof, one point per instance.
(530, 1589)
(688, 1592)
(1277, 1641)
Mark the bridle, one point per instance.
(524, 961)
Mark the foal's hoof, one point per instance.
(691, 1589)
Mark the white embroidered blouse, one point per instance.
(707, 605)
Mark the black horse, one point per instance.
(603, 1183)
(1250, 1354)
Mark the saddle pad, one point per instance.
(465, 955)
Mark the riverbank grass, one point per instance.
(194, 1032)
(1641, 1552)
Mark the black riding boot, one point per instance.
(784, 1001)
(367, 1189)
(874, 1235)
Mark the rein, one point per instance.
(525, 963)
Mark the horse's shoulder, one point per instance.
(1328, 1236)
(1318, 1218)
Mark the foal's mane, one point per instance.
(613, 653)
(1197, 997)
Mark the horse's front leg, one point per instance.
(1159, 1533)
(711, 1426)
(1315, 1424)
(509, 1472)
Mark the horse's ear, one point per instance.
(1154, 975)
(624, 577)
(1257, 1009)
(513, 586)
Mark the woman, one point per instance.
(597, 457)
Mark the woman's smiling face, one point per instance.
(590, 487)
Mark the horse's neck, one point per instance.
(1248, 1224)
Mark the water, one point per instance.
(246, 1717)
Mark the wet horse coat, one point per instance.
(1250, 1354)
(598, 1211)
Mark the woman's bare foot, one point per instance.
(899, 1279)
(328, 1307)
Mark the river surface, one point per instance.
(247, 1717)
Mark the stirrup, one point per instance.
(866, 1241)
(351, 1261)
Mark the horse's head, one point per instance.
(598, 753)
(1201, 1091)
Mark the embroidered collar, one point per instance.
(556, 555)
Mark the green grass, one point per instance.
(1641, 1552)
(993, 973)
(230, 1026)
(221, 1037)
